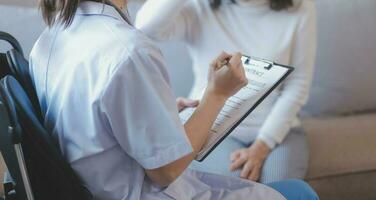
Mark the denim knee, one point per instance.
(305, 191)
(294, 189)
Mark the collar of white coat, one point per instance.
(97, 8)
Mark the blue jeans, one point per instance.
(294, 189)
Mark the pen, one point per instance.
(224, 63)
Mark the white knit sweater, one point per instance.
(251, 27)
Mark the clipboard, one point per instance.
(255, 68)
(266, 64)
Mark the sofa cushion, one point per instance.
(2, 170)
(341, 145)
(345, 66)
(355, 186)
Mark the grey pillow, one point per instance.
(345, 76)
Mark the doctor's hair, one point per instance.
(60, 10)
(276, 5)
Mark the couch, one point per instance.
(340, 117)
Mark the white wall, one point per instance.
(24, 23)
(19, 2)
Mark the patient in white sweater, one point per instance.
(269, 145)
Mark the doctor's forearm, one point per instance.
(200, 123)
(197, 129)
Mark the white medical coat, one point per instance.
(106, 97)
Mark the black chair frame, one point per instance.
(50, 175)
(12, 151)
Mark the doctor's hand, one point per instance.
(226, 75)
(250, 160)
(184, 103)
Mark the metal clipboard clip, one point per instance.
(259, 62)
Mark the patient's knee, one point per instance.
(306, 191)
(294, 189)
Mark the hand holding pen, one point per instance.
(226, 75)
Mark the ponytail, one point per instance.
(61, 10)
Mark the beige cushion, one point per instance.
(341, 145)
(356, 186)
(2, 170)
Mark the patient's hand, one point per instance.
(250, 160)
(183, 103)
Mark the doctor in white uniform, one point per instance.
(106, 97)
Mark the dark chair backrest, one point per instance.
(11, 149)
(51, 176)
(4, 66)
(19, 67)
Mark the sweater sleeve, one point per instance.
(168, 19)
(296, 89)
